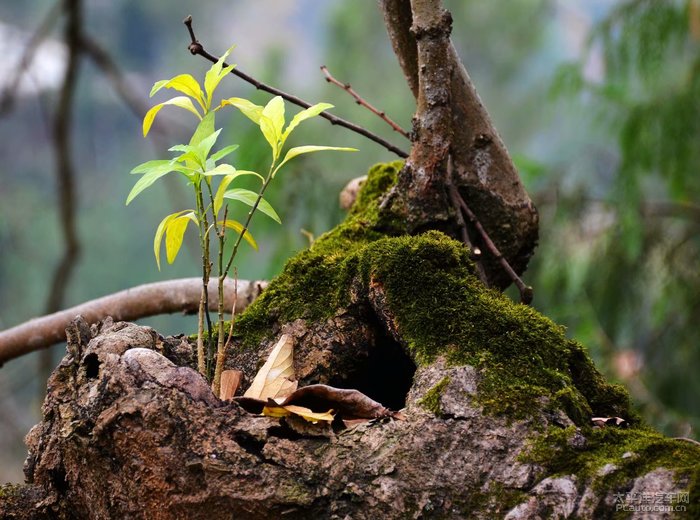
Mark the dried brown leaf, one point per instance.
(276, 377)
(230, 380)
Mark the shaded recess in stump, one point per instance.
(497, 410)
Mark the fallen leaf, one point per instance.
(230, 379)
(349, 404)
(272, 409)
(276, 377)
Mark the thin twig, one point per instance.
(526, 293)
(362, 102)
(196, 48)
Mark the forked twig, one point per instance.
(526, 292)
(196, 48)
(362, 102)
(457, 200)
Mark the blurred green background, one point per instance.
(597, 100)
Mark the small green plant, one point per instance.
(200, 167)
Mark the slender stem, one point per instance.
(363, 102)
(196, 48)
(220, 351)
(248, 219)
(202, 361)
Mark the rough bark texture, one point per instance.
(451, 121)
(129, 434)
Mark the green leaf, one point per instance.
(303, 116)
(249, 197)
(222, 169)
(223, 185)
(206, 144)
(149, 178)
(174, 233)
(150, 165)
(238, 228)
(274, 110)
(179, 101)
(215, 74)
(184, 83)
(204, 129)
(267, 127)
(249, 109)
(216, 156)
(161, 231)
(300, 150)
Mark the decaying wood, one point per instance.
(138, 302)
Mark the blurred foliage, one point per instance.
(619, 262)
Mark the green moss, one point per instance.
(634, 452)
(440, 308)
(431, 399)
(10, 490)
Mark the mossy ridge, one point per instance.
(431, 399)
(635, 452)
(440, 307)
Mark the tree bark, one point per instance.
(451, 121)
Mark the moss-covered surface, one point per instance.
(440, 308)
(633, 452)
(431, 399)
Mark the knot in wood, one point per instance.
(440, 27)
(195, 48)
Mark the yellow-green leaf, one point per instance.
(238, 228)
(274, 110)
(250, 197)
(184, 83)
(220, 154)
(174, 233)
(303, 116)
(248, 108)
(300, 150)
(179, 101)
(267, 127)
(215, 74)
(161, 231)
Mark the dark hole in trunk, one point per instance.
(386, 375)
(92, 366)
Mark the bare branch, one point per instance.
(196, 48)
(138, 302)
(362, 102)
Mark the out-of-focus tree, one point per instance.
(620, 263)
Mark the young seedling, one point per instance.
(201, 168)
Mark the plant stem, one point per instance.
(248, 218)
(202, 360)
(220, 346)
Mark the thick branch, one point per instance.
(398, 20)
(139, 302)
